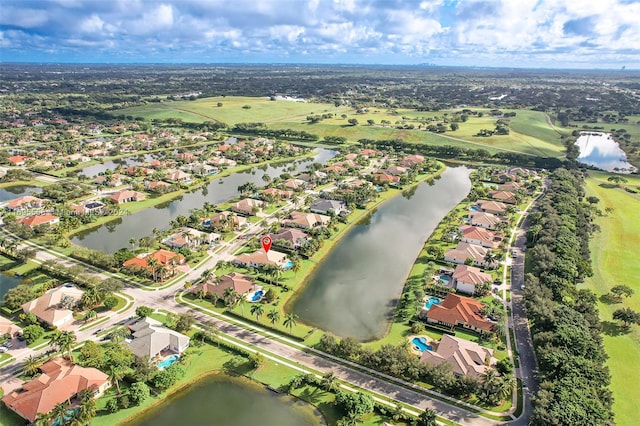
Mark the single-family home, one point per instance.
(39, 219)
(295, 184)
(412, 160)
(163, 257)
(261, 258)
(306, 220)
(481, 236)
(8, 327)
(336, 169)
(503, 196)
(225, 219)
(240, 283)
(149, 339)
(313, 177)
(189, 237)
(25, 202)
(328, 207)
(247, 206)
(396, 170)
(485, 220)
(178, 176)
(47, 307)
(61, 381)
(157, 186)
(466, 357)
(114, 179)
(223, 162)
(464, 251)
(277, 193)
(291, 238)
(126, 196)
(459, 311)
(88, 208)
(18, 160)
(466, 278)
(510, 186)
(493, 207)
(385, 178)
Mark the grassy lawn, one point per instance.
(615, 261)
(530, 132)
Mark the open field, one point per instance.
(530, 132)
(615, 261)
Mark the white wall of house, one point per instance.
(466, 288)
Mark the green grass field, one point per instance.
(530, 132)
(615, 261)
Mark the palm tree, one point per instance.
(115, 374)
(490, 258)
(119, 334)
(230, 297)
(91, 314)
(504, 387)
(152, 263)
(329, 381)
(31, 365)
(297, 264)
(54, 340)
(490, 379)
(43, 419)
(59, 413)
(274, 316)
(87, 409)
(210, 331)
(132, 243)
(206, 274)
(257, 309)
(66, 340)
(290, 321)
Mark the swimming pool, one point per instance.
(445, 278)
(288, 265)
(474, 209)
(168, 361)
(421, 344)
(430, 302)
(256, 296)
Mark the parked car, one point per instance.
(97, 331)
(514, 253)
(7, 344)
(3, 349)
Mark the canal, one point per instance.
(11, 192)
(7, 282)
(224, 400)
(115, 235)
(353, 292)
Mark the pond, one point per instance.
(602, 151)
(228, 401)
(7, 282)
(11, 192)
(115, 235)
(353, 292)
(96, 169)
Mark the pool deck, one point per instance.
(412, 347)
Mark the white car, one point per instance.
(3, 349)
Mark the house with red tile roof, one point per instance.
(163, 257)
(294, 184)
(8, 327)
(466, 278)
(467, 358)
(464, 251)
(290, 238)
(480, 236)
(240, 283)
(219, 219)
(18, 160)
(503, 196)
(493, 207)
(60, 381)
(247, 206)
(126, 196)
(278, 193)
(459, 311)
(412, 160)
(382, 178)
(259, 259)
(24, 203)
(39, 219)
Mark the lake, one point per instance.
(115, 235)
(7, 282)
(602, 151)
(96, 169)
(228, 401)
(11, 192)
(353, 292)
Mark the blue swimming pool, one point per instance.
(168, 361)
(288, 265)
(474, 208)
(430, 302)
(257, 296)
(421, 344)
(445, 278)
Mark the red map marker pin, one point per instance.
(266, 243)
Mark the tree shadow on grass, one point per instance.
(609, 299)
(611, 328)
(608, 185)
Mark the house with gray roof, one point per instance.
(324, 206)
(149, 339)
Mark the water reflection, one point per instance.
(353, 291)
(602, 151)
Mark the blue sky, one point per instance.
(495, 33)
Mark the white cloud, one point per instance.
(92, 24)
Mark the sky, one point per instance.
(484, 33)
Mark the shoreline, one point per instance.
(324, 252)
(172, 196)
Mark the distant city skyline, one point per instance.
(599, 34)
